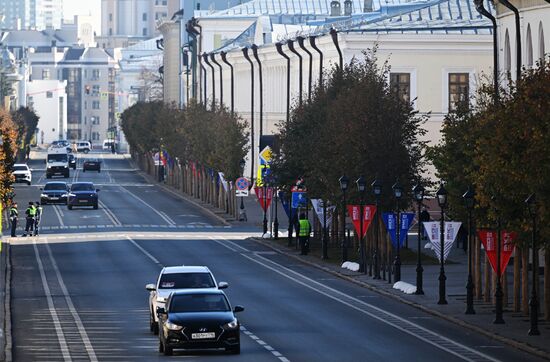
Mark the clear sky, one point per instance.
(84, 7)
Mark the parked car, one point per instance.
(84, 147)
(54, 192)
(199, 319)
(22, 173)
(82, 194)
(108, 144)
(174, 278)
(72, 161)
(91, 164)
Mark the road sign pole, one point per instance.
(276, 222)
(498, 292)
(324, 239)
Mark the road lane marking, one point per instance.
(162, 215)
(59, 214)
(155, 260)
(461, 351)
(109, 214)
(225, 242)
(57, 324)
(72, 309)
(263, 344)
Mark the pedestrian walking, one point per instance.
(27, 152)
(303, 234)
(113, 147)
(30, 213)
(424, 217)
(37, 217)
(14, 214)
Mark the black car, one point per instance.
(82, 194)
(198, 319)
(91, 164)
(54, 192)
(72, 161)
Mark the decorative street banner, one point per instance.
(390, 220)
(368, 214)
(264, 200)
(318, 207)
(433, 231)
(299, 199)
(489, 240)
(285, 202)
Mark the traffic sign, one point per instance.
(264, 198)
(299, 199)
(242, 184)
(489, 238)
(266, 155)
(241, 193)
(368, 214)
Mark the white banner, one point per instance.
(318, 207)
(433, 231)
(223, 181)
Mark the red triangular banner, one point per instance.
(260, 195)
(489, 240)
(355, 214)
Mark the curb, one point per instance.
(7, 306)
(511, 342)
(179, 195)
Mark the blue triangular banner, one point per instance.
(389, 219)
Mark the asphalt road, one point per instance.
(78, 289)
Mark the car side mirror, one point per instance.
(30, 169)
(223, 285)
(238, 308)
(150, 287)
(161, 310)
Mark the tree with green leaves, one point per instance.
(8, 132)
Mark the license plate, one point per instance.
(82, 200)
(54, 198)
(203, 335)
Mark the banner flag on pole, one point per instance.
(318, 207)
(451, 231)
(284, 201)
(489, 238)
(264, 200)
(368, 214)
(390, 221)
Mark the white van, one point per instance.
(108, 143)
(57, 162)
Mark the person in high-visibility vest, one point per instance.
(30, 214)
(37, 217)
(303, 234)
(14, 214)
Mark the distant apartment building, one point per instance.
(31, 14)
(90, 76)
(47, 98)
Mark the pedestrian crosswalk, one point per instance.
(128, 226)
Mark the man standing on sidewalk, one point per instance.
(30, 213)
(37, 217)
(303, 234)
(14, 214)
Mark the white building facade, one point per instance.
(31, 14)
(48, 99)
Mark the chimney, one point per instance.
(334, 8)
(54, 46)
(367, 7)
(347, 8)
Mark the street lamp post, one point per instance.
(290, 226)
(469, 199)
(265, 180)
(242, 212)
(344, 183)
(534, 300)
(499, 294)
(397, 192)
(276, 220)
(361, 185)
(418, 191)
(160, 160)
(377, 190)
(442, 201)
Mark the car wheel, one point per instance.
(86, 151)
(235, 349)
(28, 183)
(168, 351)
(44, 202)
(95, 206)
(70, 207)
(48, 176)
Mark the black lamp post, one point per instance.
(160, 160)
(344, 184)
(442, 201)
(276, 216)
(361, 186)
(242, 212)
(377, 191)
(264, 181)
(397, 192)
(534, 300)
(499, 294)
(469, 200)
(418, 191)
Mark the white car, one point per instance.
(175, 278)
(22, 173)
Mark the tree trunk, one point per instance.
(505, 288)
(525, 280)
(517, 280)
(477, 263)
(487, 281)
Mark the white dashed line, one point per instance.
(265, 345)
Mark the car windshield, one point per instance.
(186, 280)
(82, 187)
(57, 157)
(190, 303)
(19, 168)
(92, 160)
(55, 186)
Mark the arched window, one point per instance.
(529, 48)
(507, 53)
(541, 41)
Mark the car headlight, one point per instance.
(43, 195)
(231, 325)
(173, 327)
(70, 195)
(65, 166)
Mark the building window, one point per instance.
(110, 33)
(144, 17)
(95, 105)
(49, 94)
(95, 136)
(459, 89)
(507, 53)
(110, 17)
(95, 74)
(400, 84)
(541, 41)
(45, 74)
(95, 90)
(144, 31)
(529, 47)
